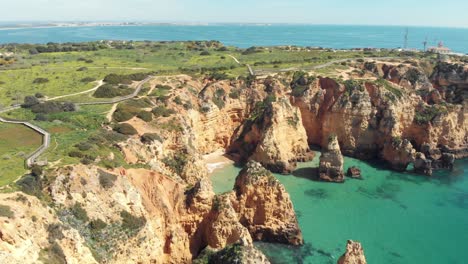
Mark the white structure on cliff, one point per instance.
(440, 49)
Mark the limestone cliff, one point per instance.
(331, 162)
(354, 254)
(274, 136)
(265, 207)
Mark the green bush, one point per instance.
(97, 224)
(31, 185)
(5, 211)
(426, 114)
(145, 116)
(30, 101)
(40, 80)
(162, 111)
(80, 213)
(132, 223)
(219, 102)
(150, 137)
(106, 179)
(76, 154)
(125, 129)
(234, 94)
(110, 91)
(84, 146)
(87, 80)
(205, 53)
(53, 107)
(177, 162)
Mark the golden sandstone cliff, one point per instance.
(167, 211)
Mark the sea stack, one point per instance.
(331, 162)
(354, 254)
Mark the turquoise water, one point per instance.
(398, 218)
(332, 36)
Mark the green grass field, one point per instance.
(16, 142)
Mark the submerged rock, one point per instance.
(354, 172)
(331, 162)
(354, 254)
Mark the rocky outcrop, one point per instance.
(354, 172)
(239, 253)
(264, 206)
(30, 232)
(422, 165)
(399, 153)
(274, 136)
(331, 162)
(354, 254)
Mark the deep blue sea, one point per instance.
(330, 36)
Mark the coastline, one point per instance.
(216, 161)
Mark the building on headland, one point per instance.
(440, 49)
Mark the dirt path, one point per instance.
(111, 112)
(99, 83)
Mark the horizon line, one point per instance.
(201, 23)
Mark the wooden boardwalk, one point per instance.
(32, 158)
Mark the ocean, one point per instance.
(398, 217)
(243, 36)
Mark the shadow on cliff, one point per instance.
(307, 173)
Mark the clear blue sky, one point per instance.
(369, 12)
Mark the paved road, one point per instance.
(32, 158)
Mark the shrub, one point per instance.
(97, 224)
(82, 69)
(84, 146)
(177, 100)
(150, 137)
(87, 80)
(80, 213)
(427, 114)
(162, 111)
(125, 129)
(75, 154)
(39, 95)
(106, 179)
(145, 116)
(234, 94)
(36, 170)
(30, 101)
(30, 184)
(132, 223)
(219, 102)
(5, 211)
(110, 91)
(40, 80)
(125, 113)
(53, 107)
(176, 163)
(205, 53)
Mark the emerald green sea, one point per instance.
(398, 217)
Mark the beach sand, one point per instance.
(217, 160)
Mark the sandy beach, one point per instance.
(216, 160)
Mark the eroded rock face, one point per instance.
(239, 253)
(422, 165)
(276, 137)
(331, 162)
(264, 206)
(354, 254)
(33, 234)
(399, 153)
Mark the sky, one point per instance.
(451, 13)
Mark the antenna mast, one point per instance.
(406, 39)
(425, 44)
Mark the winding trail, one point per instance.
(251, 71)
(32, 158)
(99, 83)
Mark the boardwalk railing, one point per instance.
(32, 158)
